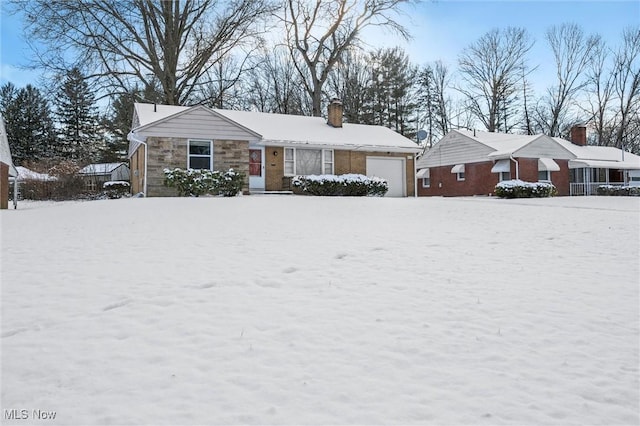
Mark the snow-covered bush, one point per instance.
(520, 189)
(621, 191)
(116, 188)
(341, 185)
(193, 183)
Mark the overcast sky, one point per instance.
(441, 29)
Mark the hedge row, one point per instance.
(520, 189)
(341, 185)
(619, 191)
(193, 183)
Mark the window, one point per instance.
(200, 155)
(458, 169)
(505, 176)
(308, 161)
(543, 175)
(426, 182)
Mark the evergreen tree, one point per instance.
(28, 122)
(78, 119)
(392, 100)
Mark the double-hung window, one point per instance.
(200, 155)
(304, 162)
(543, 176)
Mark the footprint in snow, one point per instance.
(289, 270)
(14, 332)
(116, 305)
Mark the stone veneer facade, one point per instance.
(172, 153)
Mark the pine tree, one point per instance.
(77, 115)
(28, 122)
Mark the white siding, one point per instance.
(544, 147)
(198, 124)
(454, 148)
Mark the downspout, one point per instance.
(132, 138)
(517, 168)
(15, 192)
(415, 177)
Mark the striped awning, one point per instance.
(422, 174)
(501, 166)
(548, 164)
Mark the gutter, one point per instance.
(512, 159)
(131, 137)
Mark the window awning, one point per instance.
(458, 168)
(603, 164)
(548, 164)
(501, 166)
(423, 173)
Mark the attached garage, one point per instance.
(393, 170)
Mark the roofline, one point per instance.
(359, 147)
(188, 110)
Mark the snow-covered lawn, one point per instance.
(303, 310)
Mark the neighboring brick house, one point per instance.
(7, 170)
(468, 162)
(268, 148)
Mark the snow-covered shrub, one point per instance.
(193, 183)
(520, 189)
(341, 185)
(116, 188)
(621, 191)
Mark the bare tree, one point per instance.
(273, 85)
(572, 51)
(493, 69)
(319, 32)
(626, 84)
(434, 104)
(128, 43)
(350, 82)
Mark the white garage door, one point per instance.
(390, 169)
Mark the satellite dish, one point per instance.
(422, 135)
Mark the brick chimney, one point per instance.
(579, 135)
(334, 116)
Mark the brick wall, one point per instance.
(480, 181)
(344, 161)
(232, 155)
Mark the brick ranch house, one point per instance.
(268, 148)
(465, 163)
(7, 170)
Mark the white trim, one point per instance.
(548, 176)
(189, 155)
(426, 182)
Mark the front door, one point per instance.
(256, 169)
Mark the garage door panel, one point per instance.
(392, 170)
